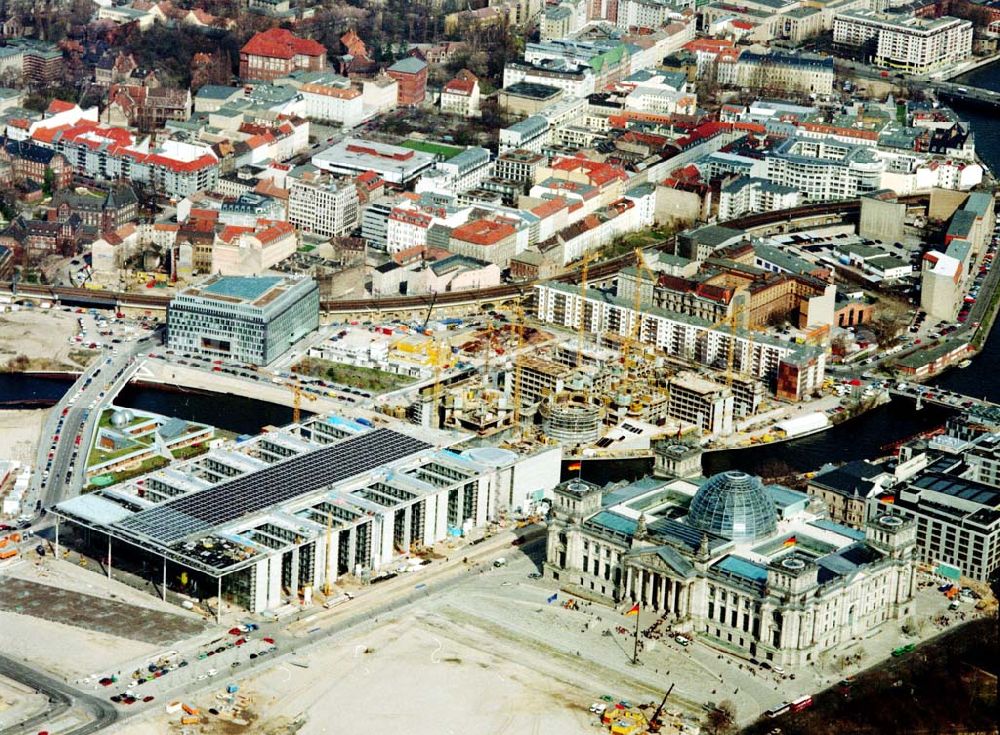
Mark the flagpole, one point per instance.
(635, 651)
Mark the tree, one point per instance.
(887, 326)
(48, 182)
(722, 719)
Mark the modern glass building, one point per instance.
(248, 319)
(733, 505)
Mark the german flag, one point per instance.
(790, 541)
(634, 610)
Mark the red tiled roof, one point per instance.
(460, 86)
(279, 43)
(256, 141)
(231, 231)
(598, 173)
(709, 45)
(209, 214)
(267, 187)
(57, 106)
(273, 230)
(549, 207)
(483, 232)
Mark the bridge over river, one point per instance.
(987, 411)
(954, 92)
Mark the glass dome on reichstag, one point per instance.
(734, 505)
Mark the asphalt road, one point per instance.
(68, 465)
(61, 698)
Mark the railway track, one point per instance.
(498, 293)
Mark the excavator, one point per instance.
(654, 722)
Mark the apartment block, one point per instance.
(909, 44)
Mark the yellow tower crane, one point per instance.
(631, 344)
(297, 395)
(732, 320)
(438, 360)
(516, 397)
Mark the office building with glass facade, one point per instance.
(253, 320)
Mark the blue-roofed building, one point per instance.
(252, 320)
(754, 569)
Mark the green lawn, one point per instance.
(438, 149)
(192, 450)
(98, 455)
(148, 465)
(369, 379)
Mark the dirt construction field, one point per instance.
(408, 677)
(42, 336)
(20, 432)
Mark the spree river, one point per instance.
(864, 437)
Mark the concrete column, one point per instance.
(685, 595)
(482, 502)
(407, 525)
(388, 536)
(352, 549)
(109, 557)
(428, 507)
(164, 579)
(333, 558)
(628, 584)
(664, 586)
(651, 592)
(293, 583)
(442, 514)
(273, 582)
(57, 538)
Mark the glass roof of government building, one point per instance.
(247, 289)
(734, 505)
(202, 511)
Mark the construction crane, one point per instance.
(516, 397)
(434, 352)
(631, 344)
(654, 722)
(731, 320)
(297, 395)
(434, 296)
(582, 330)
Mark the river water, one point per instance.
(863, 437)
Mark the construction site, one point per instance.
(553, 369)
